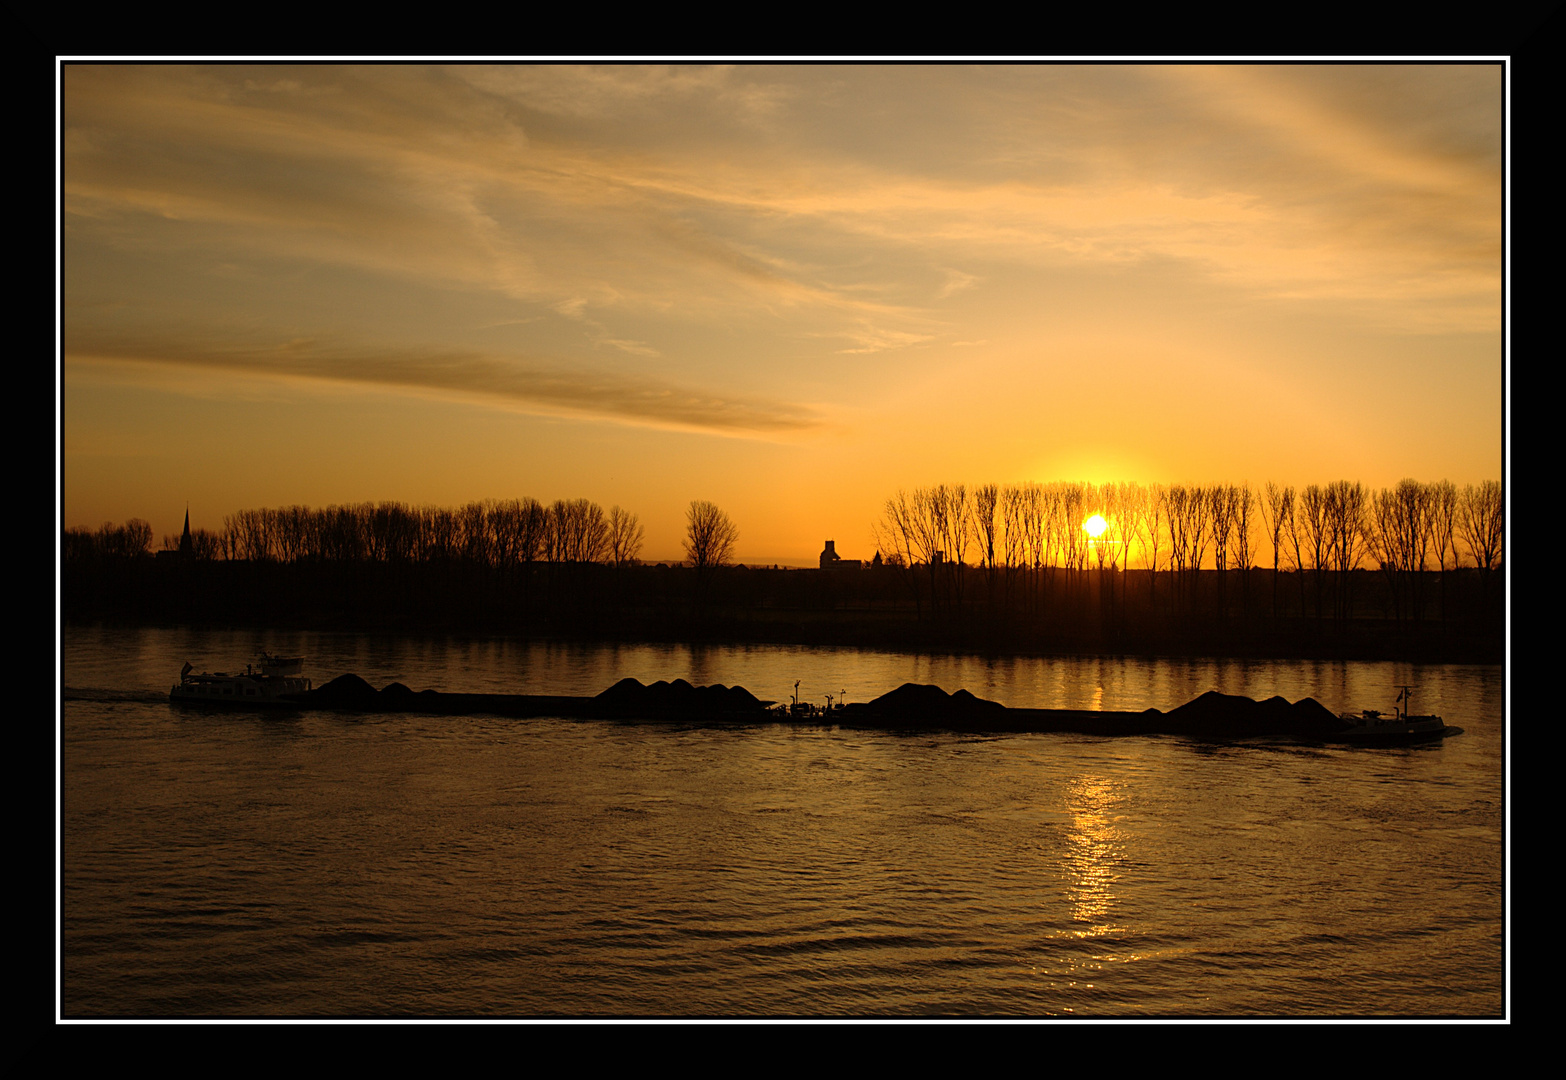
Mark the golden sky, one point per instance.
(788, 290)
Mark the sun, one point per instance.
(1095, 526)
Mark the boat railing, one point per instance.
(281, 665)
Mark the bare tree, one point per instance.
(293, 532)
(1278, 511)
(1346, 509)
(931, 535)
(228, 540)
(579, 532)
(955, 517)
(505, 532)
(80, 544)
(1419, 513)
(1108, 511)
(1121, 502)
(1385, 539)
(1245, 507)
(1013, 531)
(956, 521)
(1049, 531)
(1480, 516)
(625, 537)
(1130, 497)
(1412, 519)
(1014, 537)
(1176, 500)
(406, 532)
(1070, 514)
(897, 534)
(928, 523)
(1443, 526)
(473, 534)
(132, 539)
(1481, 512)
(710, 536)
(439, 528)
(252, 538)
(1221, 501)
(985, 500)
(1150, 527)
(1190, 528)
(1312, 517)
(533, 529)
(924, 511)
(1199, 531)
(205, 544)
(556, 530)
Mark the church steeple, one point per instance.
(186, 547)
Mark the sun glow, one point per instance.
(1095, 526)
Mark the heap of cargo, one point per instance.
(910, 706)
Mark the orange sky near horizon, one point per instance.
(788, 290)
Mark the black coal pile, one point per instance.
(628, 697)
(1230, 716)
(915, 703)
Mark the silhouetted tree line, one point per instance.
(494, 563)
(1414, 570)
(110, 541)
(1166, 557)
(492, 533)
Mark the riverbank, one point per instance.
(1237, 615)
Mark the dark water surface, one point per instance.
(369, 865)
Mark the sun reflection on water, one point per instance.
(1094, 852)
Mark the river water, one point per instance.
(336, 865)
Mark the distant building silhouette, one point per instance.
(186, 552)
(831, 560)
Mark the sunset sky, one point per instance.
(787, 290)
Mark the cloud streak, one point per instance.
(530, 387)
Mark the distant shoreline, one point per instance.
(1088, 613)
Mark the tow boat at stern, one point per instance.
(1371, 726)
(273, 681)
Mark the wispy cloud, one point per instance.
(549, 389)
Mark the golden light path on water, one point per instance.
(1096, 852)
